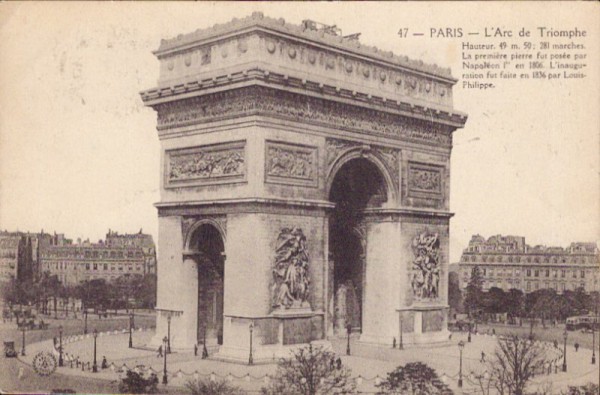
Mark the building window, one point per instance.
(105, 266)
(510, 259)
(87, 266)
(583, 274)
(555, 273)
(528, 286)
(528, 272)
(121, 268)
(547, 272)
(574, 273)
(95, 266)
(563, 273)
(536, 273)
(484, 271)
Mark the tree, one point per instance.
(414, 378)
(515, 302)
(209, 387)
(495, 301)
(310, 371)
(473, 297)
(514, 363)
(136, 383)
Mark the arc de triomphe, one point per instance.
(304, 189)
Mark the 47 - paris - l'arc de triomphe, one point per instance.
(304, 189)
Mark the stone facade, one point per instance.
(263, 125)
(508, 262)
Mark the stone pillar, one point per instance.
(382, 283)
(247, 283)
(169, 264)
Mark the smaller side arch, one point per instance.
(364, 152)
(187, 247)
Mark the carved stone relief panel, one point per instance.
(208, 164)
(291, 270)
(426, 266)
(425, 180)
(291, 164)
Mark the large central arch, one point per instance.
(357, 184)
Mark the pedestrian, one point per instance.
(196, 350)
(160, 351)
(555, 343)
(338, 362)
(104, 363)
(576, 347)
(482, 357)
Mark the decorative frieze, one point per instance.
(291, 164)
(208, 164)
(425, 179)
(269, 102)
(425, 273)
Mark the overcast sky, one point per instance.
(79, 152)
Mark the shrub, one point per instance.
(136, 383)
(414, 378)
(310, 371)
(209, 387)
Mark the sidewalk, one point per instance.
(368, 363)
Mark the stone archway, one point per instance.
(357, 185)
(206, 245)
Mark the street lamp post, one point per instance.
(23, 344)
(60, 346)
(168, 347)
(469, 336)
(95, 365)
(250, 358)
(204, 350)
(85, 324)
(461, 346)
(401, 345)
(165, 344)
(348, 331)
(594, 345)
(130, 328)
(564, 366)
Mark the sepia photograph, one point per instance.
(300, 198)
